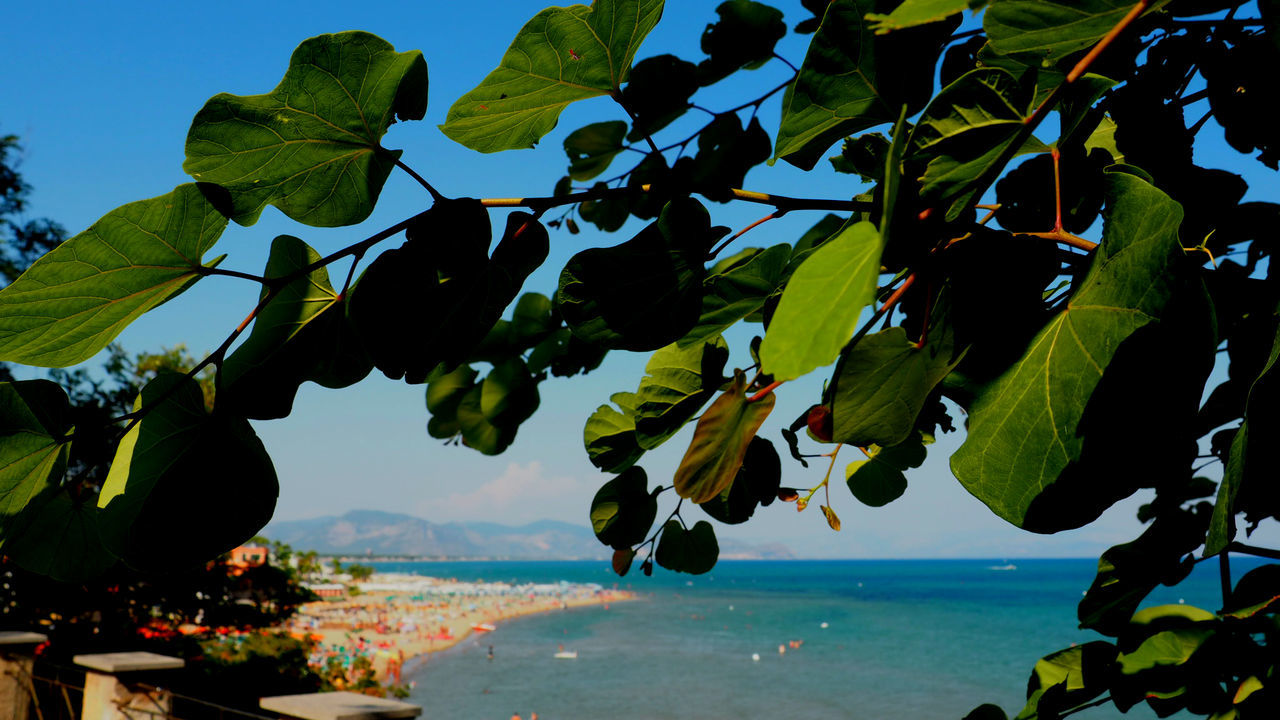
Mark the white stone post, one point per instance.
(16, 658)
(110, 690)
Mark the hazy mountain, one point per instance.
(373, 532)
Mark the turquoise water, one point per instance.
(904, 639)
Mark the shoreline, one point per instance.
(396, 618)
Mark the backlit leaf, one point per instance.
(1052, 29)
(592, 148)
(311, 146)
(302, 335)
(610, 434)
(623, 510)
(852, 80)
(1023, 427)
(966, 134)
(676, 384)
(79, 297)
(562, 55)
(883, 383)
(599, 287)
(185, 484)
(735, 292)
(916, 12)
(720, 443)
(756, 483)
(1170, 647)
(820, 307)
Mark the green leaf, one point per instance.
(916, 12)
(79, 297)
(1069, 678)
(986, 711)
(59, 536)
(864, 156)
(444, 393)
(560, 56)
(1127, 573)
(42, 528)
(301, 335)
(820, 307)
(879, 480)
(1052, 29)
(966, 135)
(610, 434)
(755, 484)
(692, 551)
(185, 485)
(743, 37)
(738, 290)
(1161, 615)
(623, 510)
(883, 382)
(1248, 462)
(1257, 592)
(1103, 138)
(720, 442)
(311, 146)
(657, 92)
(1024, 426)
(677, 383)
(1163, 649)
(599, 287)
(34, 425)
(852, 80)
(592, 148)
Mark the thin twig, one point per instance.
(743, 231)
(767, 389)
(782, 202)
(435, 194)
(1253, 550)
(205, 270)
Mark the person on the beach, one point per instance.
(515, 716)
(490, 652)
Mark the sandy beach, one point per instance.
(398, 617)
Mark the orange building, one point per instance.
(247, 556)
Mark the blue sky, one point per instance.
(102, 95)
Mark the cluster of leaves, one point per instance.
(1079, 365)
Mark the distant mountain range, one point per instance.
(373, 532)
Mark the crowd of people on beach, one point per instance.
(397, 617)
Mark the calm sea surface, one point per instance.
(912, 639)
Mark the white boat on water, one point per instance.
(567, 655)
(483, 627)
(1010, 566)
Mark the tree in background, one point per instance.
(949, 282)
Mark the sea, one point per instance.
(916, 639)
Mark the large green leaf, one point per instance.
(302, 334)
(58, 535)
(736, 291)
(852, 80)
(720, 442)
(966, 135)
(185, 484)
(311, 146)
(677, 382)
(1052, 29)
(644, 293)
(560, 56)
(1024, 427)
(820, 307)
(883, 383)
(73, 301)
(623, 510)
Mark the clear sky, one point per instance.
(102, 95)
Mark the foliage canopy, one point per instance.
(1080, 367)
